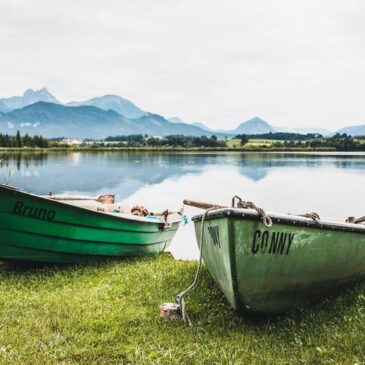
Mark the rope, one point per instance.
(249, 205)
(314, 216)
(265, 218)
(180, 298)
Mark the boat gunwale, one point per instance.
(287, 219)
(136, 219)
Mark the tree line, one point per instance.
(339, 142)
(169, 141)
(283, 136)
(19, 141)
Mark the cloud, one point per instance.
(34, 125)
(294, 63)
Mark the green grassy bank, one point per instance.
(108, 314)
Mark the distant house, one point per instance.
(71, 141)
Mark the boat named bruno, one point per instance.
(73, 230)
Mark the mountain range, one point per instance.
(39, 112)
(29, 97)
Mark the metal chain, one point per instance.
(249, 205)
(180, 298)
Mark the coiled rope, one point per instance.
(313, 215)
(249, 205)
(180, 298)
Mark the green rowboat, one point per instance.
(40, 229)
(291, 264)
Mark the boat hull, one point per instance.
(271, 270)
(42, 230)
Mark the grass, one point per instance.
(108, 314)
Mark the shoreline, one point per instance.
(172, 149)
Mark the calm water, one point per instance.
(330, 184)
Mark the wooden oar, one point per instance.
(104, 199)
(355, 220)
(201, 205)
(360, 220)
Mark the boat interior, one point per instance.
(120, 209)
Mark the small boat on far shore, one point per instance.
(270, 263)
(60, 229)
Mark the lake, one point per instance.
(330, 184)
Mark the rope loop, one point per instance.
(312, 215)
(180, 298)
(250, 205)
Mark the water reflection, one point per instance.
(329, 184)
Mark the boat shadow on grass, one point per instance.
(18, 268)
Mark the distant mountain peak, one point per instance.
(110, 96)
(353, 130)
(40, 95)
(256, 119)
(154, 116)
(30, 92)
(175, 120)
(255, 125)
(120, 105)
(29, 97)
(203, 126)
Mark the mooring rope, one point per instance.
(249, 205)
(312, 215)
(180, 298)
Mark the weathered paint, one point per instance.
(38, 229)
(291, 264)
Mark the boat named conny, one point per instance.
(56, 230)
(273, 268)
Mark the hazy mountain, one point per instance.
(324, 132)
(55, 120)
(154, 124)
(175, 120)
(355, 130)
(314, 130)
(3, 107)
(113, 102)
(39, 112)
(29, 97)
(202, 126)
(196, 124)
(253, 126)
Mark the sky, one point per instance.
(293, 63)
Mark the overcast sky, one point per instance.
(293, 63)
